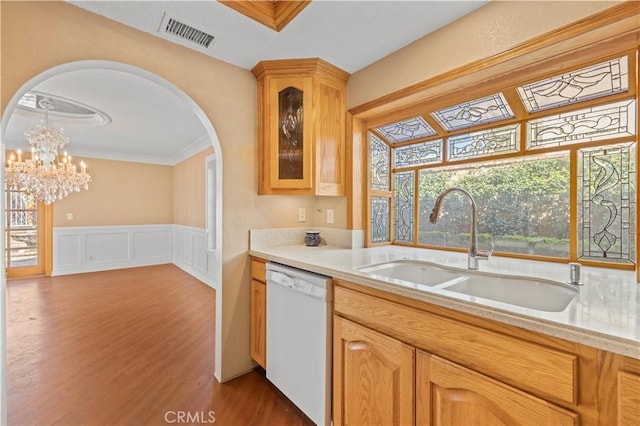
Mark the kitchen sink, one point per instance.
(532, 293)
(526, 292)
(412, 271)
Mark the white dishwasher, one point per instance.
(299, 338)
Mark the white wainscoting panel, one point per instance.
(67, 250)
(152, 245)
(190, 253)
(103, 247)
(99, 248)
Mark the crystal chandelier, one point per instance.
(44, 175)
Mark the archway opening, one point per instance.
(214, 245)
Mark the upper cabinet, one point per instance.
(301, 127)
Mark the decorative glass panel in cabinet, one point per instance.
(301, 127)
(290, 140)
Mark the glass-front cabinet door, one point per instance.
(290, 134)
(301, 127)
(291, 155)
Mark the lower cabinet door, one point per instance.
(448, 394)
(628, 399)
(373, 377)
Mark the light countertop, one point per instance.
(604, 314)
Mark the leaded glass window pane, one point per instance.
(380, 166)
(418, 154)
(404, 202)
(585, 125)
(407, 130)
(592, 82)
(523, 205)
(380, 208)
(607, 203)
(484, 143)
(485, 110)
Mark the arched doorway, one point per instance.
(216, 180)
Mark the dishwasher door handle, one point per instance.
(296, 284)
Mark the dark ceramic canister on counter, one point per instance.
(312, 238)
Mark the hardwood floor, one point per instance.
(125, 347)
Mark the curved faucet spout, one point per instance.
(474, 253)
(433, 217)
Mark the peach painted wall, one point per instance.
(496, 27)
(189, 191)
(226, 94)
(120, 193)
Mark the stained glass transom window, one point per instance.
(472, 113)
(484, 143)
(418, 154)
(585, 125)
(592, 82)
(606, 203)
(403, 204)
(380, 163)
(407, 130)
(380, 220)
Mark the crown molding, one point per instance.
(273, 14)
(199, 144)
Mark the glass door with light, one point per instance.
(25, 237)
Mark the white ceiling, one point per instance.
(148, 125)
(349, 34)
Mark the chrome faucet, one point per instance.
(474, 254)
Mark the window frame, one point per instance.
(521, 117)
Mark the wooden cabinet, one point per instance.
(301, 125)
(448, 394)
(467, 371)
(628, 396)
(538, 369)
(373, 377)
(258, 344)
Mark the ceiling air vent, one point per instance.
(187, 32)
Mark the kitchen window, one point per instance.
(551, 164)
